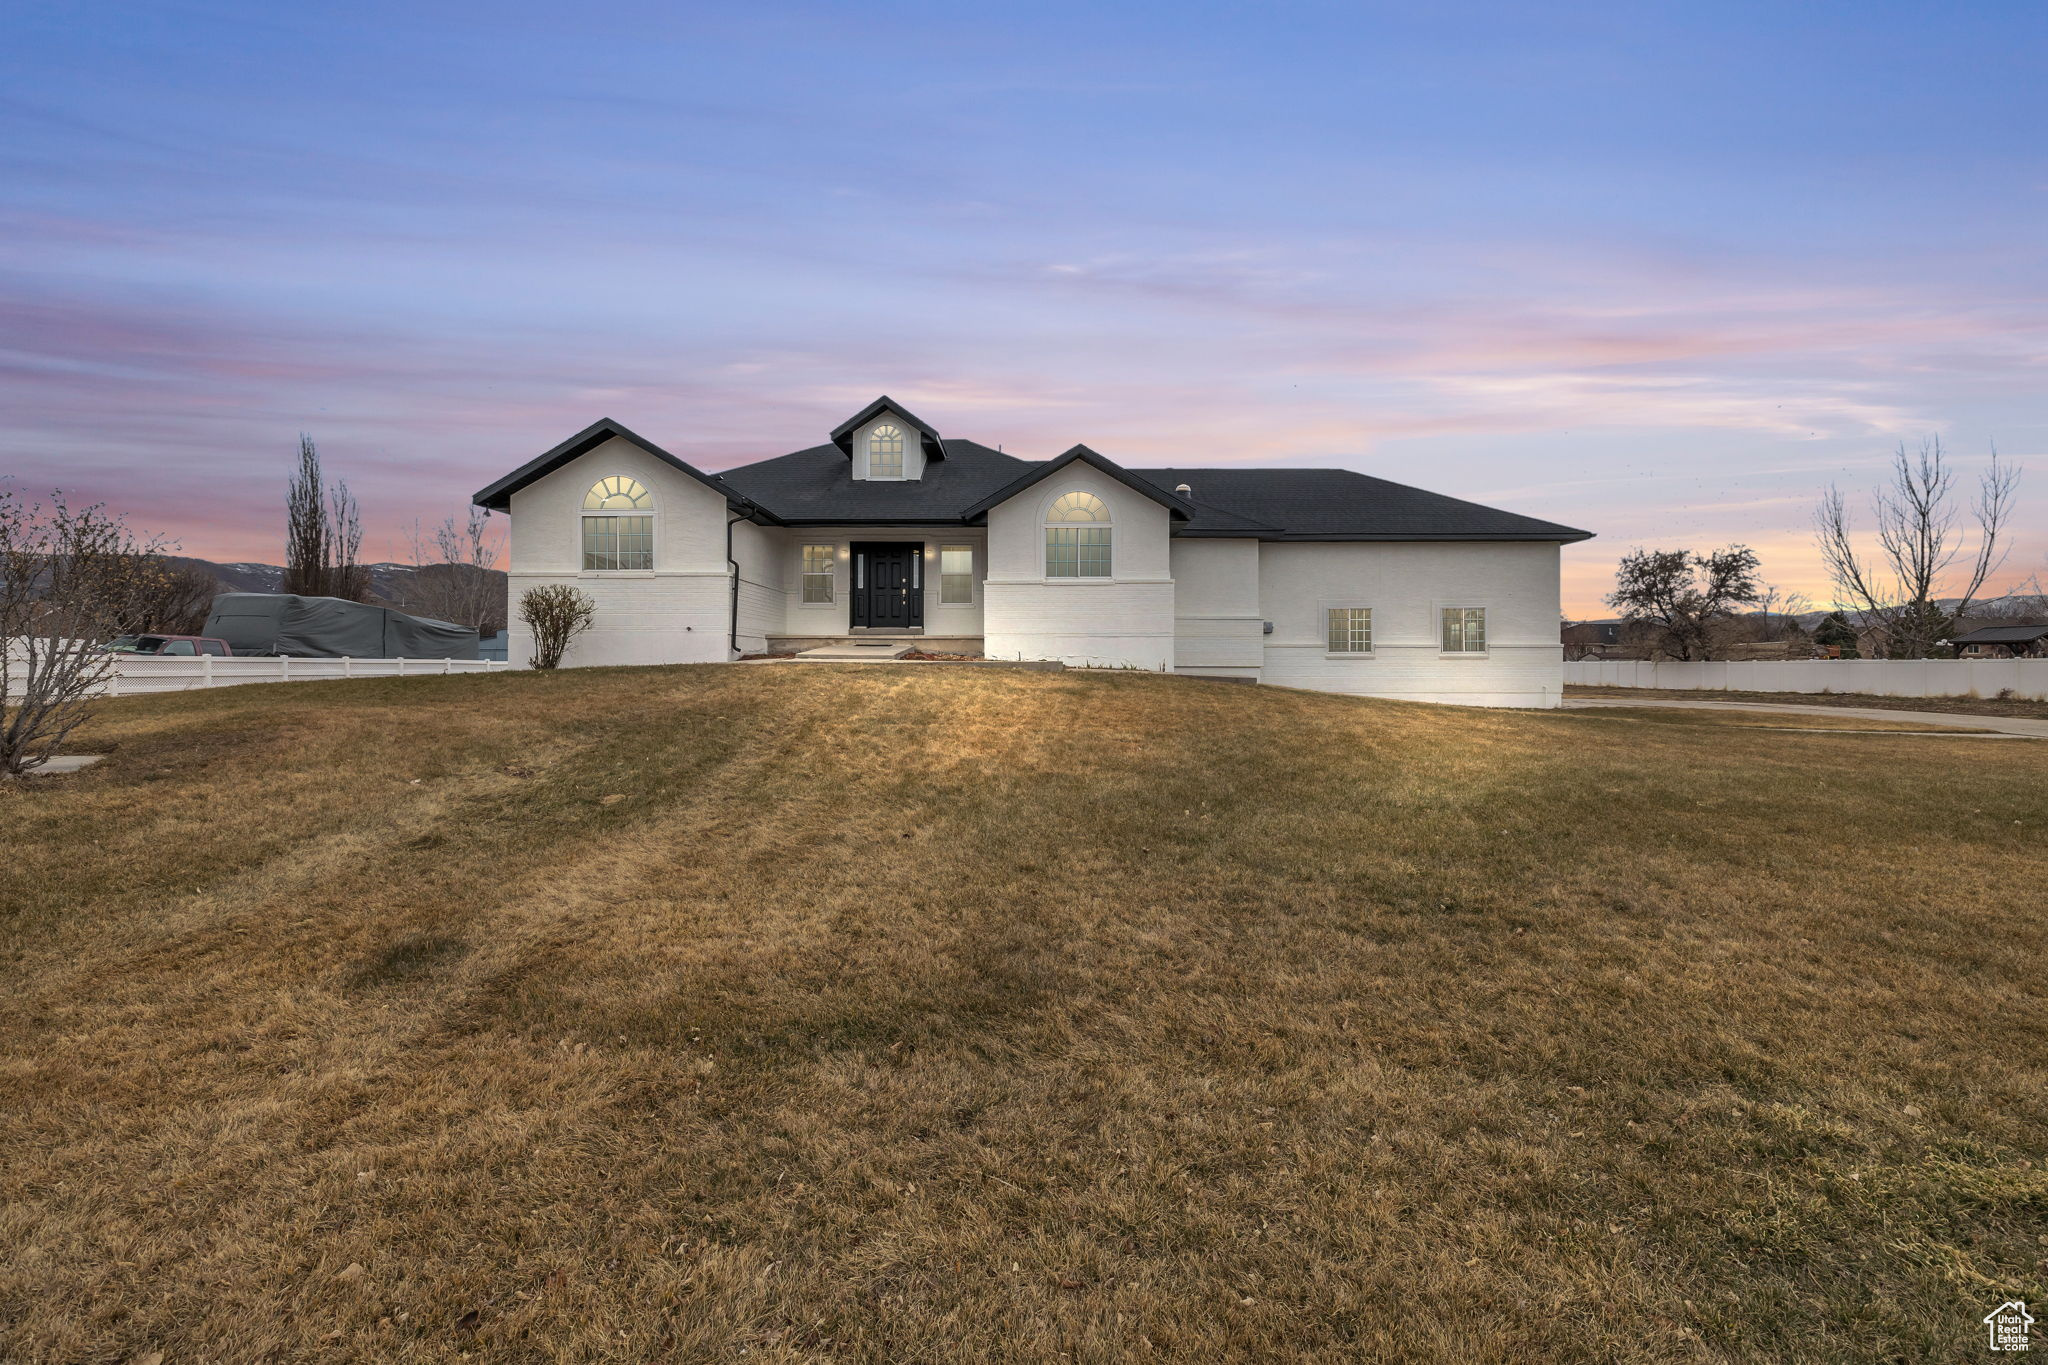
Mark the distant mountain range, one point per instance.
(387, 581)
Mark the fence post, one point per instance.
(401, 668)
(347, 666)
(206, 670)
(447, 667)
(284, 668)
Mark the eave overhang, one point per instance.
(497, 497)
(1178, 508)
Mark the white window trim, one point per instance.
(1328, 605)
(653, 514)
(938, 550)
(1437, 621)
(1046, 523)
(838, 576)
(867, 449)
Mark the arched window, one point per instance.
(885, 453)
(618, 530)
(1077, 537)
(617, 494)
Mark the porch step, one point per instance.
(856, 653)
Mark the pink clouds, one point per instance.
(188, 408)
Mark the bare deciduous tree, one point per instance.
(1778, 611)
(351, 577)
(323, 534)
(171, 597)
(1919, 542)
(1682, 597)
(454, 574)
(306, 555)
(69, 579)
(556, 614)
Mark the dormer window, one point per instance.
(885, 452)
(883, 441)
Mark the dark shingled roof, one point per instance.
(498, 496)
(1337, 504)
(817, 486)
(962, 479)
(2002, 635)
(1046, 469)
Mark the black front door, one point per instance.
(888, 585)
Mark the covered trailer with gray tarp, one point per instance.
(282, 623)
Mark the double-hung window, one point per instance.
(1350, 630)
(1464, 630)
(618, 532)
(820, 561)
(956, 573)
(1073, 547)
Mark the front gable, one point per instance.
(1177, 507)
(685, 513)
(1139, 522)
(497, 497)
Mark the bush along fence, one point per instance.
(135, 677)
(2026, 678)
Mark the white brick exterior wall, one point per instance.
(763, 556)
(1406, 584)
(1124, 621)
(1218, 628)
(677, 613)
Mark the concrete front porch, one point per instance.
(936, 644)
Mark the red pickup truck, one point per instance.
(169, 645)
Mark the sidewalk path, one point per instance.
(2004, 726)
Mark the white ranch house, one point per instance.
(1316, 578)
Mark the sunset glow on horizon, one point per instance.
(1663, 273)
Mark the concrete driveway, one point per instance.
(2003, 727)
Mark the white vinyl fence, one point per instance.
(1875, 677)
(133, 676)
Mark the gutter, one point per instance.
(732, 629)
(752, 511)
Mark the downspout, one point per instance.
(732, 632)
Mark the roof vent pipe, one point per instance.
(1183, 490)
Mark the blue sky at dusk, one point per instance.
(1658, 270)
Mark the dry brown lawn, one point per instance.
(813, 1014)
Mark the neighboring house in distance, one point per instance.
(1873, 642)
(1591, 640)
(2003, 642)
(1316, 578)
